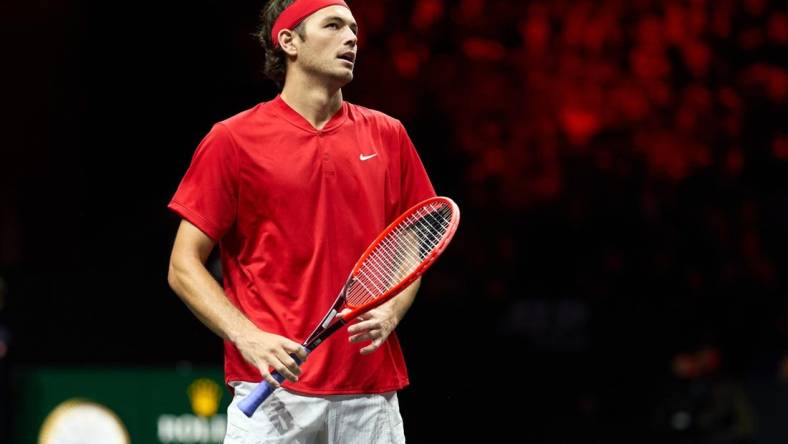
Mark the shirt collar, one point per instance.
(292, 116)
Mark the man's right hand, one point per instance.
(267, 350)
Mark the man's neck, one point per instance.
(314, 102)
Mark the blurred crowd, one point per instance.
(671, 86)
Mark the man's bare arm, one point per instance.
(192, 282)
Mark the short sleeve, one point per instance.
(208, 193)
(415, 185)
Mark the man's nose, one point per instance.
(350, 37)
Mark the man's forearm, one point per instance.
(192, 282)
(401, 303)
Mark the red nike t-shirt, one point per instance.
(292, 208)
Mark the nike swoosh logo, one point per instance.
(363, 157)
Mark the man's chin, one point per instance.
(336, 78)
(344, 77)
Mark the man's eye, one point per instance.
(332, 25)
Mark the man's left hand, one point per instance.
(375, 325)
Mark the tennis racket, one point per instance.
(396, 258)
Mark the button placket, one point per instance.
(328, 164)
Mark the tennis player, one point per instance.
(293, 190)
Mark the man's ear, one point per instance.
(286, 38)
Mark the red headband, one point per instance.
(297, 12)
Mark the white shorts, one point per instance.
(286, 417)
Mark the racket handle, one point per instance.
(260, 393)
(253, 400)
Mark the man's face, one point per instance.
(329, 48)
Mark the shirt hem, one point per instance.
(339, 391)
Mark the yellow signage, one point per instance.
(205, 396)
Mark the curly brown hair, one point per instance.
(275, 59)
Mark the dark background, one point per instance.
(622, 167)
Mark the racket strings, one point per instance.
(400, 252)
(393, 250)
